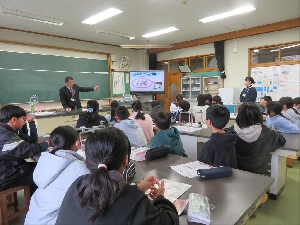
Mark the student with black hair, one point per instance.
(54, 173)
(167, 135)
(184, 112)
(288, 110)
(297, 104)
(23, 132)
(276, 120)
(174, 108)
(103, 198)
(155, 108)
(111, 117)
(199, 111)
(216, 100)
(91, 117)
(142, 119)
(208, 99)
(14, 170)
(131, 129)
(219, 150)
(263, 104)
(249, 93)
(255, 141)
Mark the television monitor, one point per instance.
(147, 81)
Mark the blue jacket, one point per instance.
(282, 124)
(53, 175)
(248, 94)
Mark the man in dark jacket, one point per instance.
(14, 170)
(155, 108)
(69, 94)
(219, 150)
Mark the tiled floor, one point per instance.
(284, 211)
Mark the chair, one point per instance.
(8, 198)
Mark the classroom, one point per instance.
(44, 42)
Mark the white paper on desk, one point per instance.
(187, 129)
(174, 190)
(189, 169)
(138, 154)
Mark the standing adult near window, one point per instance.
(249, 93)
(69, 94)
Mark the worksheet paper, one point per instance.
(138, 154)
(187, 128)
(190, 169)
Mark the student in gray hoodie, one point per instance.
(130, 128)
(54, 174)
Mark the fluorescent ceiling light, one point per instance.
(228, 14)
(146, 46)
(159, 32)
(114, 33)
(102, 16)
(32, 17)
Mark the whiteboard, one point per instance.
(277, 81)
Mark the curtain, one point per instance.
(152, 61)
(219, 51)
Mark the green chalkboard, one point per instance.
(23, 75)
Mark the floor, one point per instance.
(284, 211)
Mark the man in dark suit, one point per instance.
(69, 94)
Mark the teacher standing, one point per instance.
(69, 94)
(249, 93)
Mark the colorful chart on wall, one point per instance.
(277, 81)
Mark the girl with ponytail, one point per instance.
(142, 119)
(103, 197)
(91, 117)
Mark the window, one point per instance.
(174, 65)
(265, 55)
(197, 63)
(162, 66)
(290, 52)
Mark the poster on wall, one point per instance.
(289, 81)
(124, 64)
(118, 83)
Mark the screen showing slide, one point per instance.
(147, 81)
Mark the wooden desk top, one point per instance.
(233, 197)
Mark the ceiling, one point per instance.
(143, 16)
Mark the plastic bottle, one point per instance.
(33, 102)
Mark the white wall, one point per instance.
(236, 64)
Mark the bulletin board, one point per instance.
(277, 81)
(120, 83)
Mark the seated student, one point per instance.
(184, 107)
(14, 170)
(23, 132)
(166, 135)
(255, 141)
(174, 108)
(297, 103)
(131, 129)
(91, 117)
(142, 119)
(288, 110)
(199, 111)
(219, 150)
(217, 100)
(277, 121)
(111, 117)
(54, 174)
(263, 104)
(208, 99)
(155, 108)
(103, 198)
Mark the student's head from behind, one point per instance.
(287, 103)
(154, 103)
(274, 108)
(137, 109)
(208, 99)
(248, 115)
(64, 138)
(201, 100)
(217, 116)
(249, 81)
(162, 120)
(217, 100)
(265, 100)
(297, 103)
(107, 152)
(113, 105)
(13, 115)
(184, 105)
(69, 82)
(92, 110)
(122, 113)
(179, 98)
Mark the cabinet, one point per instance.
(210, 85)
(190, 87)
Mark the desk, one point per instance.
(235, 198)
(193, 144)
